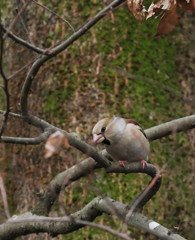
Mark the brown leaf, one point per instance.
(167, 9)
(54, 143)
(168, 21)
(137, 9)
(188, 5)
(159, 8)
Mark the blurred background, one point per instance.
(120, 67)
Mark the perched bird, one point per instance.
(124, 139)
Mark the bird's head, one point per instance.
(108, 130)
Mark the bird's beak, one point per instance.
(98, 138)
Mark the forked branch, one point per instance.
(98, 206)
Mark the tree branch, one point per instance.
(64, 179)
(5, 87)
(71, 220)
(27, 224)
(27, 141)
(49, 10)
(156, 132)
(23, 42)
(171, 127)
(12, 114)
(53, 52)
(60, 182)
(16, 17)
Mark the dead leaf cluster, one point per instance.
(166, 10)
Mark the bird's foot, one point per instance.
(144, 163)
(122, 163)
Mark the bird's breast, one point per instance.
(133, 146)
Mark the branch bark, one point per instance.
(27, 141)
(171, 127)
(95, 208)
(5, 84)
(23, 42)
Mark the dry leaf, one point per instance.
(158, 8)
(168, 21)
(54, 143)
(167, 10)
(137, 9)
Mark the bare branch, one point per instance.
(23, 68)
(171, 127)
(12, 114)
(69, 219)
(60, 182)
(157, 132)
(92, 210)
(5, 85)
(83, 168)
(183, 123)
(56, 50)
(27, 141)
(16, 18)
(23, 42)
(49, 10)
(152, 188)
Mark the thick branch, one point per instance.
(83, 168)
(171, 127)
(67, 219)
(61, 181)
(152, 133)
(92, 210)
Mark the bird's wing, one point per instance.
(137, 125)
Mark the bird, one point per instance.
(124, 140)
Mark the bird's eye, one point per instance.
(103, 129)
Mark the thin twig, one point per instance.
(5, 85)
(16, 18)
(49, 10)
(145, 195)
(11, 114)
(25, 28)
(23, 42)
(23, 68)
(56, 50)
(27, 141)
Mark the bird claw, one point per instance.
(122, 163)
(144, 163)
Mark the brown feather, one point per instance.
(136, 123)
(132, 121)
